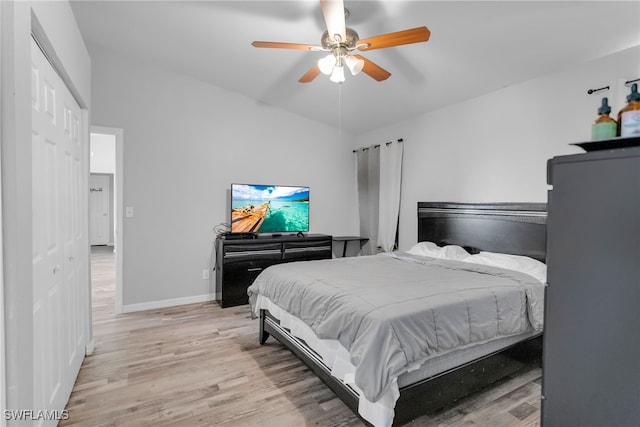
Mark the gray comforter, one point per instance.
(394, 311)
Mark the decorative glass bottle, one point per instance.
(629, 115)
(604, 127)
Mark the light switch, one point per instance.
(128, 212)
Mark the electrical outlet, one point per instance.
(205, 274)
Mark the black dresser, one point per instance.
(239, 261)
(591, 345)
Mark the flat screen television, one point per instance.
(269, 208)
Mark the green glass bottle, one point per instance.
(604, 127)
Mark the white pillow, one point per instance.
(425, 249)
(453, 252)
(523, 264)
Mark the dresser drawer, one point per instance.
(301, 251)
(257, 252)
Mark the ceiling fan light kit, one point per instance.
(355, 64)
(337, 76)
(341, 41)
(326, 64)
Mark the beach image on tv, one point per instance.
(269, 208)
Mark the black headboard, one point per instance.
(512, 228)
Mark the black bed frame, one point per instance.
(515, 228)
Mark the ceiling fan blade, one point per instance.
(310, 75)
(414, 35)
(279, 45)
(333, 11)
(373, 70)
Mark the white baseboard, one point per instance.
(88, 350)
(152, 305)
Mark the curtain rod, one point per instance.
(627, 83)
(376, 146)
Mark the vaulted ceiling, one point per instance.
(476, 47)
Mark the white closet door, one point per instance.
(74, 238)
(59, 295)
(99, 192)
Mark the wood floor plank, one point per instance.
(201, 365)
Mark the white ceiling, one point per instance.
(476, 47)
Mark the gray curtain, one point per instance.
(379, 184)
(390, 185)
(369, 197)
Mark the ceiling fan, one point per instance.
(341, 42)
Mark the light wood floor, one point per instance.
(200, 365)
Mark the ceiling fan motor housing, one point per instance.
(328, 41)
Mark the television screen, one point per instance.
(269, 208)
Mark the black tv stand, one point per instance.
(276, 235)
(300, 234)
(239, 261)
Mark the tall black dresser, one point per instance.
(591, 345)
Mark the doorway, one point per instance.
(106, 204)
(101, 224)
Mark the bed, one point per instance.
(402, 334)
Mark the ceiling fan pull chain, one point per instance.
(339, 115)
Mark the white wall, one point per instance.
(185, 142)
(103, 153)
(494, 148)
(55, 26)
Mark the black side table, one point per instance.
(344, 240)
